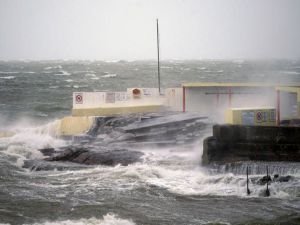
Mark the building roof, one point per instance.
(218, 84)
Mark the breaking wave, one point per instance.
(108, 219)
(21, 143)
(109, 75)
(8, 77)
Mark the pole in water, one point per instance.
(267, 191)
(158, 65)
(248, 191)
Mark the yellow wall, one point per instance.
(254, 116)
(116, 110)
(5, 134)
(75, 125)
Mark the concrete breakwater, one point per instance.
(234, 143)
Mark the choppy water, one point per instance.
(169, 187)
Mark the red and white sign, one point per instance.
(78, 98)
(259, 116)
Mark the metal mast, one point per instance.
(158, 65)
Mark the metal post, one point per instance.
(183, 99)
(267, 191)
(229, 96)
(158, 65)
(248, 191)
(218, 96)
(278, 108)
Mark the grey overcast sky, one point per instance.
(126, 29)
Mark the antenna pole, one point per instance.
(158, 65)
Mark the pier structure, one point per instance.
(217, 98)
(234, 103)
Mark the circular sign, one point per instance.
(78, 98)
(259, 116)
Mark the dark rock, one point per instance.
(81, 157)
(282, 178)
(47, 151)
(148, 127)
(41, 165)
(67, 155)
(97, 157)
(264, 180)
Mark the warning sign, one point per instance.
(272, 115)
(248, 118)
(110, 97)
(259, 116)
(78, 98)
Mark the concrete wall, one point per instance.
(82, 100)
(70, 125)
(234, 143)
(94, 99)
(174, 98)
(214, 101)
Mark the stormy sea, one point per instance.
(167, 186)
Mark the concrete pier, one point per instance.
(234, 143)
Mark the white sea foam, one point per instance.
(291, 72)
(63, 73)
(25, 141)
(53, 67)
(69, 80)
(185, 69)
(29, 72)
(108, 219)
(111, 61)
(8, 77)
(90, 74)
(79, 86)
(109, 75)
(166, 67)
(9, 72)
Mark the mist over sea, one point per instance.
(169, 187)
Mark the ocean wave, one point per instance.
(178, 173)
(238, 61)
(8, 77)
(62, 73)
(90, 74)
(185, 69)
(166, 67)
(53, 67)
(79, 86)
(109, 75)
(29, 72)
(24, 141)
(108, 219)
(199, 182)
(291, 72)
(9, 72)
